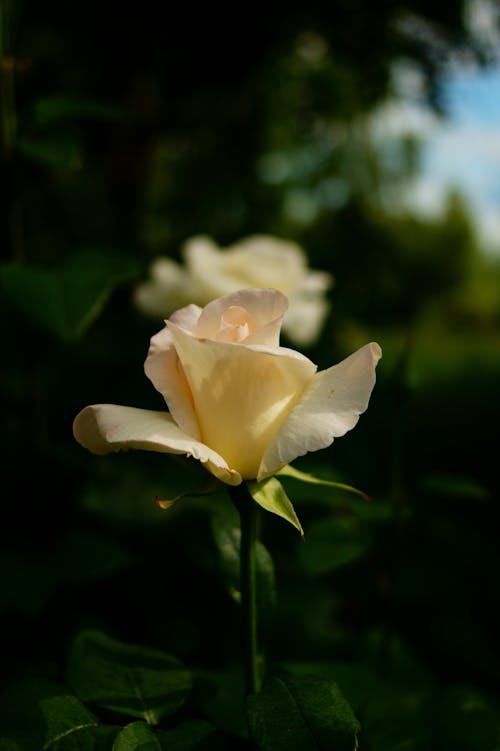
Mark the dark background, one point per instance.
(124, 133)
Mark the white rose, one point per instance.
(238, 401)
(259, 261)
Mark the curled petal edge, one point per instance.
(105, 428)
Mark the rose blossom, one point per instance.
(238, 402)
(259, 261)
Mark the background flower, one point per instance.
(262, 261)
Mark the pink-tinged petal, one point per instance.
(104, 428)
(265, 308)
(241, 394)
(187, 318)
(329, 408)
(166, 373)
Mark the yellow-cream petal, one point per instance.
(329, 408)
(242, 394)
(104, 428)
(165, 371)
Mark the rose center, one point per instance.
(236, 324)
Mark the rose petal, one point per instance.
(104, 428)
(165, 371)
(241, 394)
(266, 308)
(328, 409)
(187, 318)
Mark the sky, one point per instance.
(462, 149)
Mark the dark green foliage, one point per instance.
(131, 680)
(303, 714)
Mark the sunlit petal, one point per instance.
(104, 428)
(265, 308)
(165, 371)
(328, 409)
(241, 394)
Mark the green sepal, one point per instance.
(296, 474)
(271, 495)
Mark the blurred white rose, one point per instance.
(260, 261)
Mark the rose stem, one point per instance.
(247, 509)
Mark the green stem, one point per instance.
(247, 509)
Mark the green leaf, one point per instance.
(138, 736)
(227, 536)
(40, 715)
(289, 471)
(271, 495)
(333, 542)
(302, 714)
(133, 680)
(58, 152)
(67, 299)
(51, 108)
(456, 486)
(65, 716)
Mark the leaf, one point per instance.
(302, 714)
(333, 542)
(317, 489)
(271, 495)
(133, 680)
(67, 299)
(41, 715)
(51, 108)
(58, 152)
(456, 486)
(227, 536)
(289, 471)
(138, 736)
(65, 716)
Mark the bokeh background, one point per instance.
(126, 131)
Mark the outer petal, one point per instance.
(241, 394)
(166, 373)
(187, 318)
(328, 409)
(266, 307)
(104, 428)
